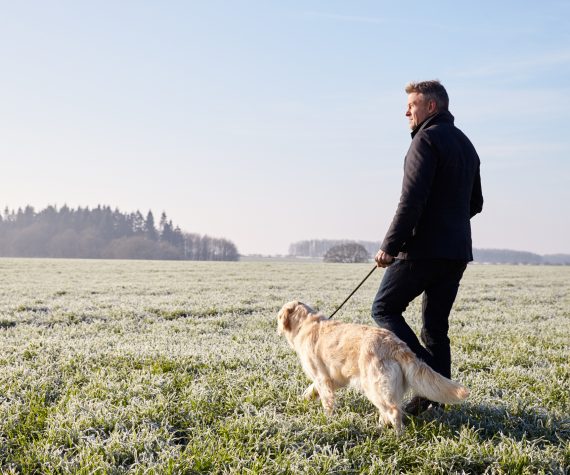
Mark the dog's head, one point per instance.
(291, 315)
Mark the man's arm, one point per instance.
(419, 171)
(476, 205)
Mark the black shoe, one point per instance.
(419, 405)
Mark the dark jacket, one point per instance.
(441, 191)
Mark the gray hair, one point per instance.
(432, 91)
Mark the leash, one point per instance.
(352, 293)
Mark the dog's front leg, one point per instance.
(311, 392)
(326, 393)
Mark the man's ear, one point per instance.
(432, 107)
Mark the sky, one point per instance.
(270, 122)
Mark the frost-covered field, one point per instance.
(175, 367)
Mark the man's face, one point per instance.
(419, 109)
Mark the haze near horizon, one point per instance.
(268, 123)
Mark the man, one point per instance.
(428, 244)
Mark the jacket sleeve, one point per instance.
(476, 205)
(419, 170)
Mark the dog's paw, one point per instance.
(310, 393)
(328, 407)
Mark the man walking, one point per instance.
(428, 244)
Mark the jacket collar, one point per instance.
(440, 117)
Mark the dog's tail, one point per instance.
(428, 383)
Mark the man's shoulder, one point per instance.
(434, 132)
(439, 123)
(438, 133)
(440, 129)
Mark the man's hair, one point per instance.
(432, 91)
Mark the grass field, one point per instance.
(175, 367)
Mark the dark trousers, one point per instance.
(403, 281)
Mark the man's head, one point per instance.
(425, 99)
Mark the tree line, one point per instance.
(104, 233)
(318, 248)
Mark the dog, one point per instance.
(373, 360)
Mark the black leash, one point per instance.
(352, 293)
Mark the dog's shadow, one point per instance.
(492, 420)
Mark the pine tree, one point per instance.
(149, 227)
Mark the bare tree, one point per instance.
(347, 253)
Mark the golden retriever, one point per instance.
(374, 360)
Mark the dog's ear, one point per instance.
(289, 309)
(285, 320)
(285, 316)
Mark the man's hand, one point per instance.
(383, 259)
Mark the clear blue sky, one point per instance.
(268, 122)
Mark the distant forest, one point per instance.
(104, 233)
(318, 248)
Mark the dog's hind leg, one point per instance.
(384, 388)
(389, 411)
(390, 414)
